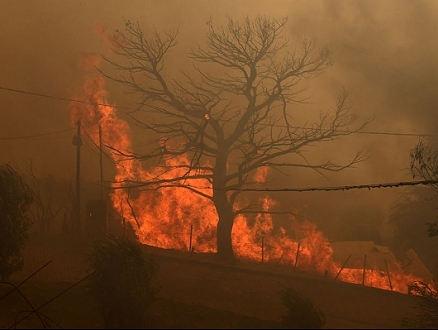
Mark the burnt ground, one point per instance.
(197, 291)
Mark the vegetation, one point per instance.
(74, 309)
(424, 163)
(235, 114)
(51, 197)
(428, 306)
(409, 218)
(121, 282)
(426, 319)
(15, 200)
(301, 312)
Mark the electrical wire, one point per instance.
(349, 187)
(61, 98)
(334, 188)
(134, 109)
(35, 135)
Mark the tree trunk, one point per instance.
(223, 207)
(224, 225)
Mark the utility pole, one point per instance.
(101, 165)
(102, 200)
(77, 141)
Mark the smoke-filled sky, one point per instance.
(385, 53)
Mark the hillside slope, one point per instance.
(244, 288)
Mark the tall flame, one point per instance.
(177, 218)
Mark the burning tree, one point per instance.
(234, 119)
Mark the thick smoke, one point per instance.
(384, 53)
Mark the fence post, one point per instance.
(191, 234)
(342, 266)
(296, 256)
(364, 265)
(263, 249)
(389, 277)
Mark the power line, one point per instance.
(143, 186)
(98, 148)
(134, 109)
(61, 98)
(35, 135)
(343, 188)
(335, 188)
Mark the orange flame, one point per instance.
(178, 218)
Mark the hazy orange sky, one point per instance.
(385, 53)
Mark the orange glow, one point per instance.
(177, 218)
(376, 278)
(261, 174)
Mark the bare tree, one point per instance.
(235, 116)
(47, 205)
(53, 198)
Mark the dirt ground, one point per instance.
(248, 290)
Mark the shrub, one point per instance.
(301, 312)
(121, 282)
(15, 200)
(428, 306)
(426, 319)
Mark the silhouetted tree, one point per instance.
(236, 116)
(121, 282)
(49, 199)
(15, 200)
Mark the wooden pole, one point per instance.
(103, 202)
(296, 255)
(78, 142)
(342, 266)
(364, 267)
(101, 163)
(191, 235)
(263, 249)
(389, 277)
